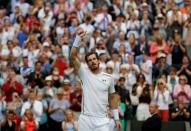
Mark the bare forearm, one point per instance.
(113, 100)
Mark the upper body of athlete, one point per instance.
(98, 87)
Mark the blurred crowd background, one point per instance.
(144, 44)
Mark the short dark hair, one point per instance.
(91, 53)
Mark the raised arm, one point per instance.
(74, 51)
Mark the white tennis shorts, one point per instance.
(91, 123)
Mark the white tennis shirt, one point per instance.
(96, 88)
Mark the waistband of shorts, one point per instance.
(89, 115)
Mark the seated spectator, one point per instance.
(69, 124)
(157, 47)
(137, 91)
(34, 105)
(185, 68)
(44, 117)
(146, 68)
(121, 90)
(177, 49)
(3, 105)
(162, 97)
(36, 78)
(180, 112)
(142, 112)
(49, 90)
(161, 66)
(16, 103)
(28, 123)
(76, 99)
(56, 110)
(8, 124)
(182, 90)
(12, 85)
(67, 89)
(172, 79)
(133, 71)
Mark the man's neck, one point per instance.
(96, 71)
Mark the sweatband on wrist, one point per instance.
(77, 41)
(115, 114)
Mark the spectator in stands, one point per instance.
(172, 79)
(177, 49)
(182, 90)
(56, 110)
(67, 89)
(133, 71)
(8, 123)
(36, 78)
(3, 105)
(180, 112)
(162, 97)
(12, 85)
(161, 66)
(185, 68)
(69, 123)
(28, 122)
(33, 105)
(76, 99)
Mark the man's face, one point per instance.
(93, 62)
(152, 108)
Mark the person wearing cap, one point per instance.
(49, 90)
(97, 86)
(56, 110)
(67, 89)
(154, 122)
(161, 66)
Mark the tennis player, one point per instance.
(98, 90)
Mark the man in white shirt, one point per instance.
(35, 105)
(98, 91)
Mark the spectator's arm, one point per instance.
(174, 115)
(38, 109)
(183, 49)
(186, 114)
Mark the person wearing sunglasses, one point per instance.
(162, 97)
(182, 90)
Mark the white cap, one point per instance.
(66, 81)
(144, 4)
(45, 44)
(48, 78)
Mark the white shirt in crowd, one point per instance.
(148, 75)
(96, 88)
(37, 109)
(163, 99)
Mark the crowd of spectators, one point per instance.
(144, 44)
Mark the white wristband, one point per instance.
(115, 113)
(77, 41)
